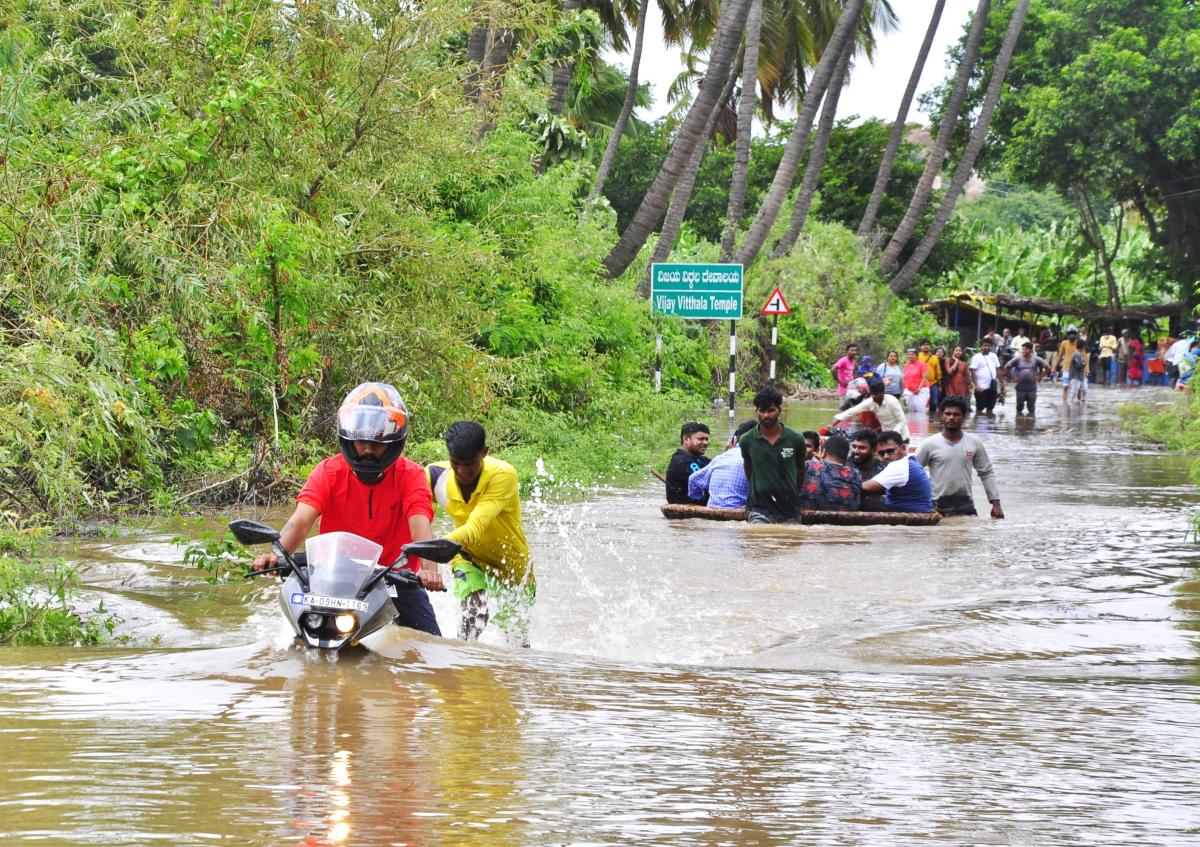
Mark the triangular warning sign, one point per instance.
(776, 304)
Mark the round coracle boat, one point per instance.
(680, 511)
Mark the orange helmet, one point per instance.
(372, 411)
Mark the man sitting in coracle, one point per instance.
(722, 482)
(830, 484)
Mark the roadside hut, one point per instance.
(972, 313)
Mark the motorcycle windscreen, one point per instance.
(339, 563)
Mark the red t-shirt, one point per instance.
(379, 512)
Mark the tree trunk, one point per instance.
(563, 73)
(816, 156)
(476, 46)
(1182, 226)
(729, 30)
(933, 165)
(745, 115)
(477, 42)
(682, 194)
(793, 151)
(492, 70)
(614, 140)
(897, 135)
(1093, 233)
(978, 135)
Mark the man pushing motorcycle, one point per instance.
(371, 490)
(480, 493)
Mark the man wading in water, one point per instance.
(774, 457)
(949, 456)
(480, 493)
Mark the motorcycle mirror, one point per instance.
(435, 550)
(253, 532)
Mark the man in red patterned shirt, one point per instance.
(831, 485)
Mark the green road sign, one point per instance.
(703, 292)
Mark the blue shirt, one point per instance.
(906, 486)
(724, 478)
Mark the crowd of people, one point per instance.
(775, 472)
(863, 461)
(928, 373)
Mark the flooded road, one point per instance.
(1030, 681)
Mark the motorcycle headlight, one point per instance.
(345, 623)
(312, 620)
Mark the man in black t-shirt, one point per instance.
(689, 458)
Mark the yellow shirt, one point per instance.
(488, 526)
(934, 364)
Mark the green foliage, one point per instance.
(218, 555)
(37, 599)
(640, 157)
(1054, 263)
(1066, 118)
(1010, 205)
(209, 234)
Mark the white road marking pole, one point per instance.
(774, 341)
(658, 364)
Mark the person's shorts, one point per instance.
(1066, 379)
(511, 600)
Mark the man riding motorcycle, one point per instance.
(371, 490)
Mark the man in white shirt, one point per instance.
(986, 377)
(1018, 342)
(886, 409)
(1175, 353)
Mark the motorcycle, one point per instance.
(336, 592)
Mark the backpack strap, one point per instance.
(435, 473)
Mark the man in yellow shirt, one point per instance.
(480, 493)
(933, 375)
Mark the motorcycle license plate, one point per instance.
(299, 599)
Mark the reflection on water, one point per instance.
(1030, 681)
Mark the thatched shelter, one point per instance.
(971, 313)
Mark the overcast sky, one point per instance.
(875, 89)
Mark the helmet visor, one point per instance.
(371, 423)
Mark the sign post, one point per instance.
(775, 306)
(658, 364)
(701, 292)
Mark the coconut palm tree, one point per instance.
(745, 119)
(690, 133)
(978, 134)
(564, 72)
(941, 145)
(614, 138)
(897, 134)
(682, 194)
(793, 151)
(816, 156)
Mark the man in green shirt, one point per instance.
(774, 458)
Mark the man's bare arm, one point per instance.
(431, 577)
(291, 536)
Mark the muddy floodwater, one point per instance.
(1032, 681)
